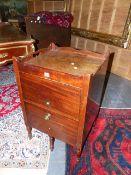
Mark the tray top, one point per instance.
(68, 60)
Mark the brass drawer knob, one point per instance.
(47, 116)
(3, 55)
(47, 103)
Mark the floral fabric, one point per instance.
(61, 19)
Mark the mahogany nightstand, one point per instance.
(55, 87)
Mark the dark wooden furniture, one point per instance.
(43, 33)
(56, 86)
(13, 43)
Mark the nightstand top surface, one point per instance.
(68, 60)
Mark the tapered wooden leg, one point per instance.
(29, 129)
(52, 140)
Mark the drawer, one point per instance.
(12, 51)
(53, 96)
(52, 124)
(50, 74)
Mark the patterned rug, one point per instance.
(16, 150)
(108, 148)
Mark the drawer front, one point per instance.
(7, 53)
(49, 74)
(52, 124)
(53, 97)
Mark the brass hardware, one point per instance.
(3, 55)
(47, 103)
(33, 47)
(47, 116)
(97, 36)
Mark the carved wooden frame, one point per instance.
(123, 41)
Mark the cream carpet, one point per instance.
(17, 152)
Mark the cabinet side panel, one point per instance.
(96, 92)
(98, 84)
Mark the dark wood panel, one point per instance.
(9, 33)
(44, 34)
